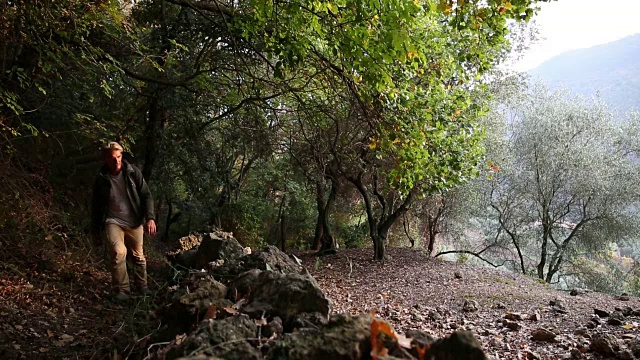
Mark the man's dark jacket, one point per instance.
(137, 192)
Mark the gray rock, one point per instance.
(530, 355)
(224, 338)
(420, 337)
(576, 354)
(269, 259)
(511, 325)
(604, 344)
(343, 337)
(185, 259)
(189, 304)
(514, 316)
(434, 315)
(535, 316)
(601, 313)
(215, 246)
(558, 305)
(542, 334)
(470, 306)
(634, 346)
(627, 311)
(499, 305)
(581, 332)
(461, 345)
(625, 354)
(616, 318)
(273, 329)
(307, 319)
(187, 248)
(276, 294)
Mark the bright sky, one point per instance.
(572, 24)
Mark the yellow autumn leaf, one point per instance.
(507, 5)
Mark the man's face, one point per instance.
(113, 159)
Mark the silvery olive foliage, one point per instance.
(561, 183)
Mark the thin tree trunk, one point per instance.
(280, 220)
(320, 205)
(283, 232)
(543, 249)
(328, 241)
(431, 227)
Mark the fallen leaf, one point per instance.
(180, 338)
(211, 312)
(43, 350)
(377, 346)
(231, 310)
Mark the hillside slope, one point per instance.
(415, 292)
(611, 71)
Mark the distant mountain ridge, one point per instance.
(611, 71)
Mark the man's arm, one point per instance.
(146, 201)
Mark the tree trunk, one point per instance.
(378, 248)
(283, 233)
(320, 205)
(328, 241)
(379, 226)
(379, 241)
(431, 227)
(543, 250)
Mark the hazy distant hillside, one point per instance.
(611, 70)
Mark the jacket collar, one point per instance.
(126, 167)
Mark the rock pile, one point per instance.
(234, 305)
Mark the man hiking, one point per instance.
(121, 205)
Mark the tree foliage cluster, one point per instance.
(281, 119)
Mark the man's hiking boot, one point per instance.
(121, 297)
(145, 291)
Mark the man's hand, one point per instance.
(151, 226)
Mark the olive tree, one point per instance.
(563, 180)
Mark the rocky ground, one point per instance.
(514, 316)
(60, 308)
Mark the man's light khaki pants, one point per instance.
(118, 240)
